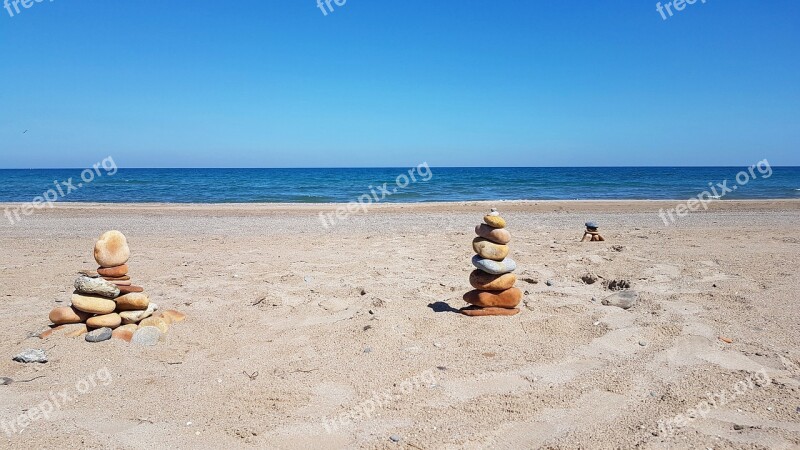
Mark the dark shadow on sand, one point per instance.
(442, 307)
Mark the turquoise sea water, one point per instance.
(432, 184)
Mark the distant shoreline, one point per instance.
(523, 205)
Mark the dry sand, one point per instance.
(324, 320)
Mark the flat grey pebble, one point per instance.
(394, 438)
(494, 267)
(5, 381)
(98, 335)
(147, 336)
(31, 356)
(368, 350)
(643, 343)
(622, 299)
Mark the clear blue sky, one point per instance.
(275, 83)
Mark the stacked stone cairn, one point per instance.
(591, 234)
(494, 294)
(106, 304)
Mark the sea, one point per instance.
(411, 184)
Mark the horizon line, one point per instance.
(402, 167)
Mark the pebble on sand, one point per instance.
(622, 299)
(147, 336)
(31, 356)
(67, 314)
(99, 335)
(173, 316)
(157, 322)
(125, 332)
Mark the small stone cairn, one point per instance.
(494, 294)
(106, 304)
(591, 234)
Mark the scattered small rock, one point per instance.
(530, 280)
(363, 291)
(736, 426)
(31, 356)
(549, 282)
(617, 285)
(643, 343)
(622, 299)
(617, 248)
(589, 278)
(594, 299)
(368, 350)
(147, 336)
(99, 335)
(443, 368)
(394, 438)
(726, 340)
(5, 381)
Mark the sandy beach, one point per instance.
(299, 336)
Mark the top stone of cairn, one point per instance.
(111, 249)
(494, 220)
